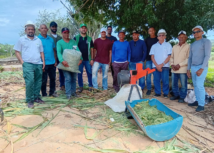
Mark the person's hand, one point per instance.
(43, 68)
(92, 62)
(199, 72)
(80, 62)
(65, 64)
(173, 67)
(177, 67)
(188, 74)
(159, 67)
(55, 64)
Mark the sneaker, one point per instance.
(199, 108)
(74, 95)
(194, 104)
(148, 92)
(30, 105)
(62, 88)
(181, 100)
(90, 89)
(39, 100)
(53, 95)
(80, 89)
(165, 96)
(157, 95)
(174, 98)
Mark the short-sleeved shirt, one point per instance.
(112, 38)
(149, 42)
(30, 49)
(48, 46)
(83, 46)
(161, 52)
(103, 47)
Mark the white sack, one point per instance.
(117, 104)
(190, 98)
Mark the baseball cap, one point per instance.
(103, 29)
(162, 31)
(197, 27)
(121, 31)
(135, 31)
(29, 23)
(83, 25)
(182, 32)
(65, 30)
(53, 24)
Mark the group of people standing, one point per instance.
(40, 56)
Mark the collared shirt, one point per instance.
(161, 52)
(180, 55)
(138, 50)
(48, 46)
(199, 54)
(30, 49)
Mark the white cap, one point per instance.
(29, 23)
(182, 32)
(197, 27)
(103, 29)
(162, 31)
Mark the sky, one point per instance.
(15, 13)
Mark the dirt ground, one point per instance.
(66, 133)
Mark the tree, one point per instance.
(171, 15)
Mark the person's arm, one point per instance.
(55, 56)
(172, 59)
(129, 53)
(208, 48)
(43, 60)
(113, 52)
(144, 51)
(189, 63)
(92, 52)
(18, 48)
(59, 54)
(110, 54)
(19, 57)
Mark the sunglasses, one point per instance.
(194, 32)
(161, 35)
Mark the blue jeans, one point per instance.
(61, 78)
(70, 82)
(88, 71)
(148, 77)
(164, 76)
(175, 89)
(198, 83)
(132, 66)
(95, 69)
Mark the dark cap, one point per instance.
(65, 30)
(53, 24)
(121, 31)
(135, 31)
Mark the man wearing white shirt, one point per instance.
(32, 60)
(160, 54)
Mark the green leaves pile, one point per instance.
(150, 115)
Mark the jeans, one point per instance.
(61, 78)
(70, 82)
(198, 83)
(117, 68)
(132, 66)
(175, 89)
(148, 77)
(95, 69)
(88, 71)
(164, 76)
(50, 70)
(32, 74)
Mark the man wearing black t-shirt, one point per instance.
(85, 44)
(151, 40)
(113, 39)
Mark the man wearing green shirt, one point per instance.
(70, 77)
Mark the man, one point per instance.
(138, 53)
(113, 39)
(121, 54)
(199, 56)
(85, 45)
(102, 50)
(50, 61)
(32, 60)
(161, 53)
(56, 38)
(178, 62)
(151, 40)
(70, 77)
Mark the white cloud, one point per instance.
(4, 22)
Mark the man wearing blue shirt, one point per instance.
(161, 53)
(121, 54)
(50, 61)
(138, 53)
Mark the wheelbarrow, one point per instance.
(159, 132)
